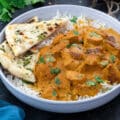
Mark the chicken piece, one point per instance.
(62, 86)
(94, 50)
(60, 46)
(92, 59)
(93, 37)
(113, 38)
(44, 50)
(73, 36)
(73, 75)
(68, 61)
(112, 74)
(42, 71)
(57, 39)
(89, 70)
(83, 89)
(76, 53)
(112, 42)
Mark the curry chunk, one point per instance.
(73, 75)
(112, 73)
(60, 46)
(76, 53)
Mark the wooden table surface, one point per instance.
(110, 111)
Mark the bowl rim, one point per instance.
(3, 77)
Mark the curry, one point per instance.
(78, 63)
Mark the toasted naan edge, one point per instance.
(16, 65)
(21, 37)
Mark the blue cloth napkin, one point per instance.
(10, 112)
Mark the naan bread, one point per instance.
(21, 37)
(21, 67)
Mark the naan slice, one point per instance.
(21, 37)
(21, 67)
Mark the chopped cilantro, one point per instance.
(26, 62)
(112, 58)
(94, 34)
(70, 45)
(50, 58)
(76, 32)
(29, 69)
(41, 37)
(98, 79)
(91, 83)
(57, 81)
(54, 93)
(75, 45)
(41, 60)
(74, 19)
(55, 71)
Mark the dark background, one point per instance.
(110, 111)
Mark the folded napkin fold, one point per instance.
(10, 112)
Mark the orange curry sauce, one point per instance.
(77, 63)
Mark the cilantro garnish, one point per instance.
(70, 45)
(112, 58)
(99, 79)
(91, 83)
(94, 34)
(57, 81)
(54, 93)
(50, 58)
(55, 71)
(41, 60)
(76, 32)
(74, 19)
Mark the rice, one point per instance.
(25, 88)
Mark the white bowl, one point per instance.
(63, 106)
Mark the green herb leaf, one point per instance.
(18, 3)
(76, 32)
(55, 71)
(74, 19)
(94, 34)
(41, 60)
(112, 58)
(29, 69)
(50, 58)
(91, 83)
(26, 62)
(57, 81)
(5, 15)
(28, 2)
(7, 7)
(54, 93)
(98, 79)
(70, 45)
(41, 37)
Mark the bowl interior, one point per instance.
(45, 13)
